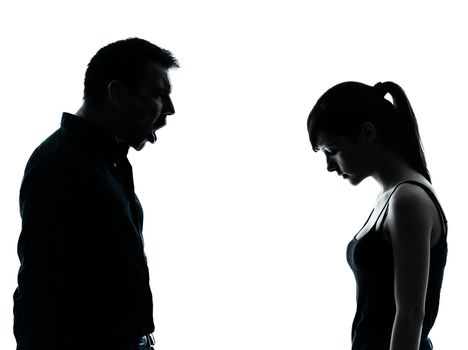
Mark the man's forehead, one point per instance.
(157, 74)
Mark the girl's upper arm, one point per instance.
(409, 224)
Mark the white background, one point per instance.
(245, 230)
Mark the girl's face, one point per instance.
(348, 158)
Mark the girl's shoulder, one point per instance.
(414, 212)
(412, 192)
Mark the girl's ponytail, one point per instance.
(407, 140)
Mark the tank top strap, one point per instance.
(429, 192)
(384, 208)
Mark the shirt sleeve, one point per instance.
(48, 214)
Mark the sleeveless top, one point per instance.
(371, 260)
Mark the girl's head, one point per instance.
(347, 109)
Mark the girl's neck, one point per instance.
(391, 169)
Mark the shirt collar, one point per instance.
(92, 138)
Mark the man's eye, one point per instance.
(159, 93)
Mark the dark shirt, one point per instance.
(83, 276)
(371, 259)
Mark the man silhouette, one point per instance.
(83, 282)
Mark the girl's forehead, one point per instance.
(325, 139)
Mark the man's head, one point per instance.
(130, 79)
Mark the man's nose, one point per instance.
(168, 106)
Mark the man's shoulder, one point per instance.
(47, 156)
(54, 157)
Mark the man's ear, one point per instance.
(368, 133)
(117, 93)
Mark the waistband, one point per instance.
(144, 340)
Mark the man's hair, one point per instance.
(125, 61)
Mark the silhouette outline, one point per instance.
(83, 282)
(399, 255)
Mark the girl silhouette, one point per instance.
(399, 255)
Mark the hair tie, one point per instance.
(379, 87)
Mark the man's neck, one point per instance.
(96, 115)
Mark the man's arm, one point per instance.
(45, 201)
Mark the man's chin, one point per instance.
(140, 146)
